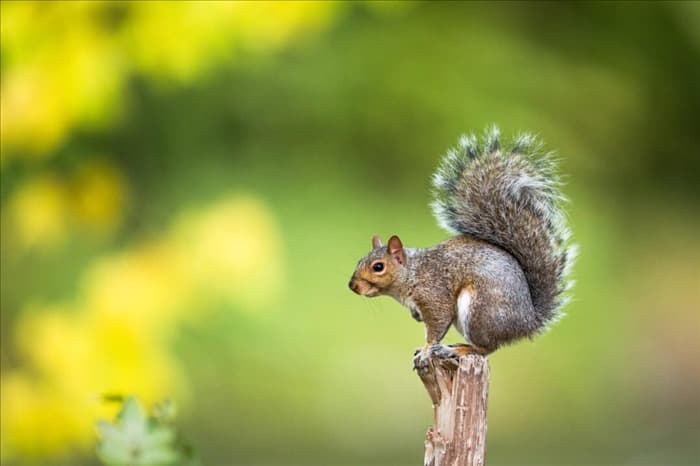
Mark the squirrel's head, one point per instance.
(377, 271)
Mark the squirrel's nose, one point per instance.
(352, 285)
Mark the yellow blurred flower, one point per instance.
(98, 197)
(30, 116)
(146, 287)
(38, 212)
(181, 39)
(65, 64)
(269, 24)
(75, 358)
(37, 420)
(61, 69)
(44, 334)
(116, 339)
(176, 39)
(45, 208)
(90, 354)
(232, 251)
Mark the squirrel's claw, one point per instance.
(442, 352)
(420, 360)
(435, 351)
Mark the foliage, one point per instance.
(116, 335)
(135, 439)
(79, 78)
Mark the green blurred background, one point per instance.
(186, 188)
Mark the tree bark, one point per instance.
(459, 392)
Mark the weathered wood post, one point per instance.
(459, 392)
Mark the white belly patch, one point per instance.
(461, 322)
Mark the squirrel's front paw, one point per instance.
(415, 313)
(441, 352)
(435, 351)
(420, 358)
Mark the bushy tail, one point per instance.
(509, 196)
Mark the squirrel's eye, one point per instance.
(378, 266)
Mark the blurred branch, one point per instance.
(459, 392)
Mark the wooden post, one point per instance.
(459, 392)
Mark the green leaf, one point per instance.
(133, 439)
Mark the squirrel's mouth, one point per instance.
(363, 288)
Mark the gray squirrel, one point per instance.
(504, 275)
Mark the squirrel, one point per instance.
(503, 276)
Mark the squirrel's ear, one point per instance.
(376, 242)
(396, 250)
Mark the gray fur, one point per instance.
(509, 196)
(510, 254)
(502, 311)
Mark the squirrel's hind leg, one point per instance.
(444, 352)
(463, 349)
(453, 351)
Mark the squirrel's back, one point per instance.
(509, 196)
